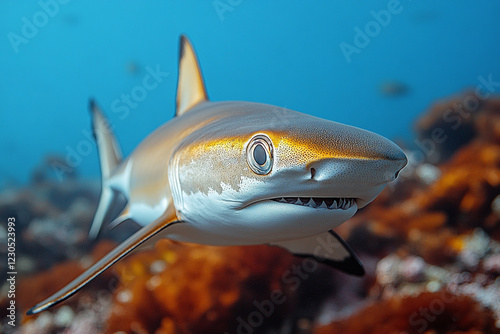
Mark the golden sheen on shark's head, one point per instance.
(297, 173)
(237, 173)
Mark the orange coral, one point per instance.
(452, 124)
(439, 312)
(471, 180)
(187, 288)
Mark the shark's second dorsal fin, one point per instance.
(190, 86)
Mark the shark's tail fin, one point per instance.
(109, 156)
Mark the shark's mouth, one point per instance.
(319, 203)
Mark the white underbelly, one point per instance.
(186, 232)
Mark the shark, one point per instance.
(237, 173)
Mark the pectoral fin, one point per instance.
(326, 248)
(140, 237)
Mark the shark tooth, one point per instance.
(347, 203)
(282, 200)
(323, 205)
(299, 202)
(329, 201)
(311, 203)
(334, 205)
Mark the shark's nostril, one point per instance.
(313, 173)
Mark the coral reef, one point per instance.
(411, 275)
(51, 217)
(451, 124)
(438, 312)
(184, 288)
(200, 289)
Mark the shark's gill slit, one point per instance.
(313, 173)
(319, 202)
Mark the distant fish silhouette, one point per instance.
(393, 88)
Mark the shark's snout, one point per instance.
(355, 163)
(354, 156)
(346, 172)
(399, 160)
(394, 158)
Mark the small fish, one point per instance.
(238, 173)
(394, 88)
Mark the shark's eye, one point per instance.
(260, 154)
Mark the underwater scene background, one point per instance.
(426, 75)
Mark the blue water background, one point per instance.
(284, 53)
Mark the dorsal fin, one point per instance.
(190, 86)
